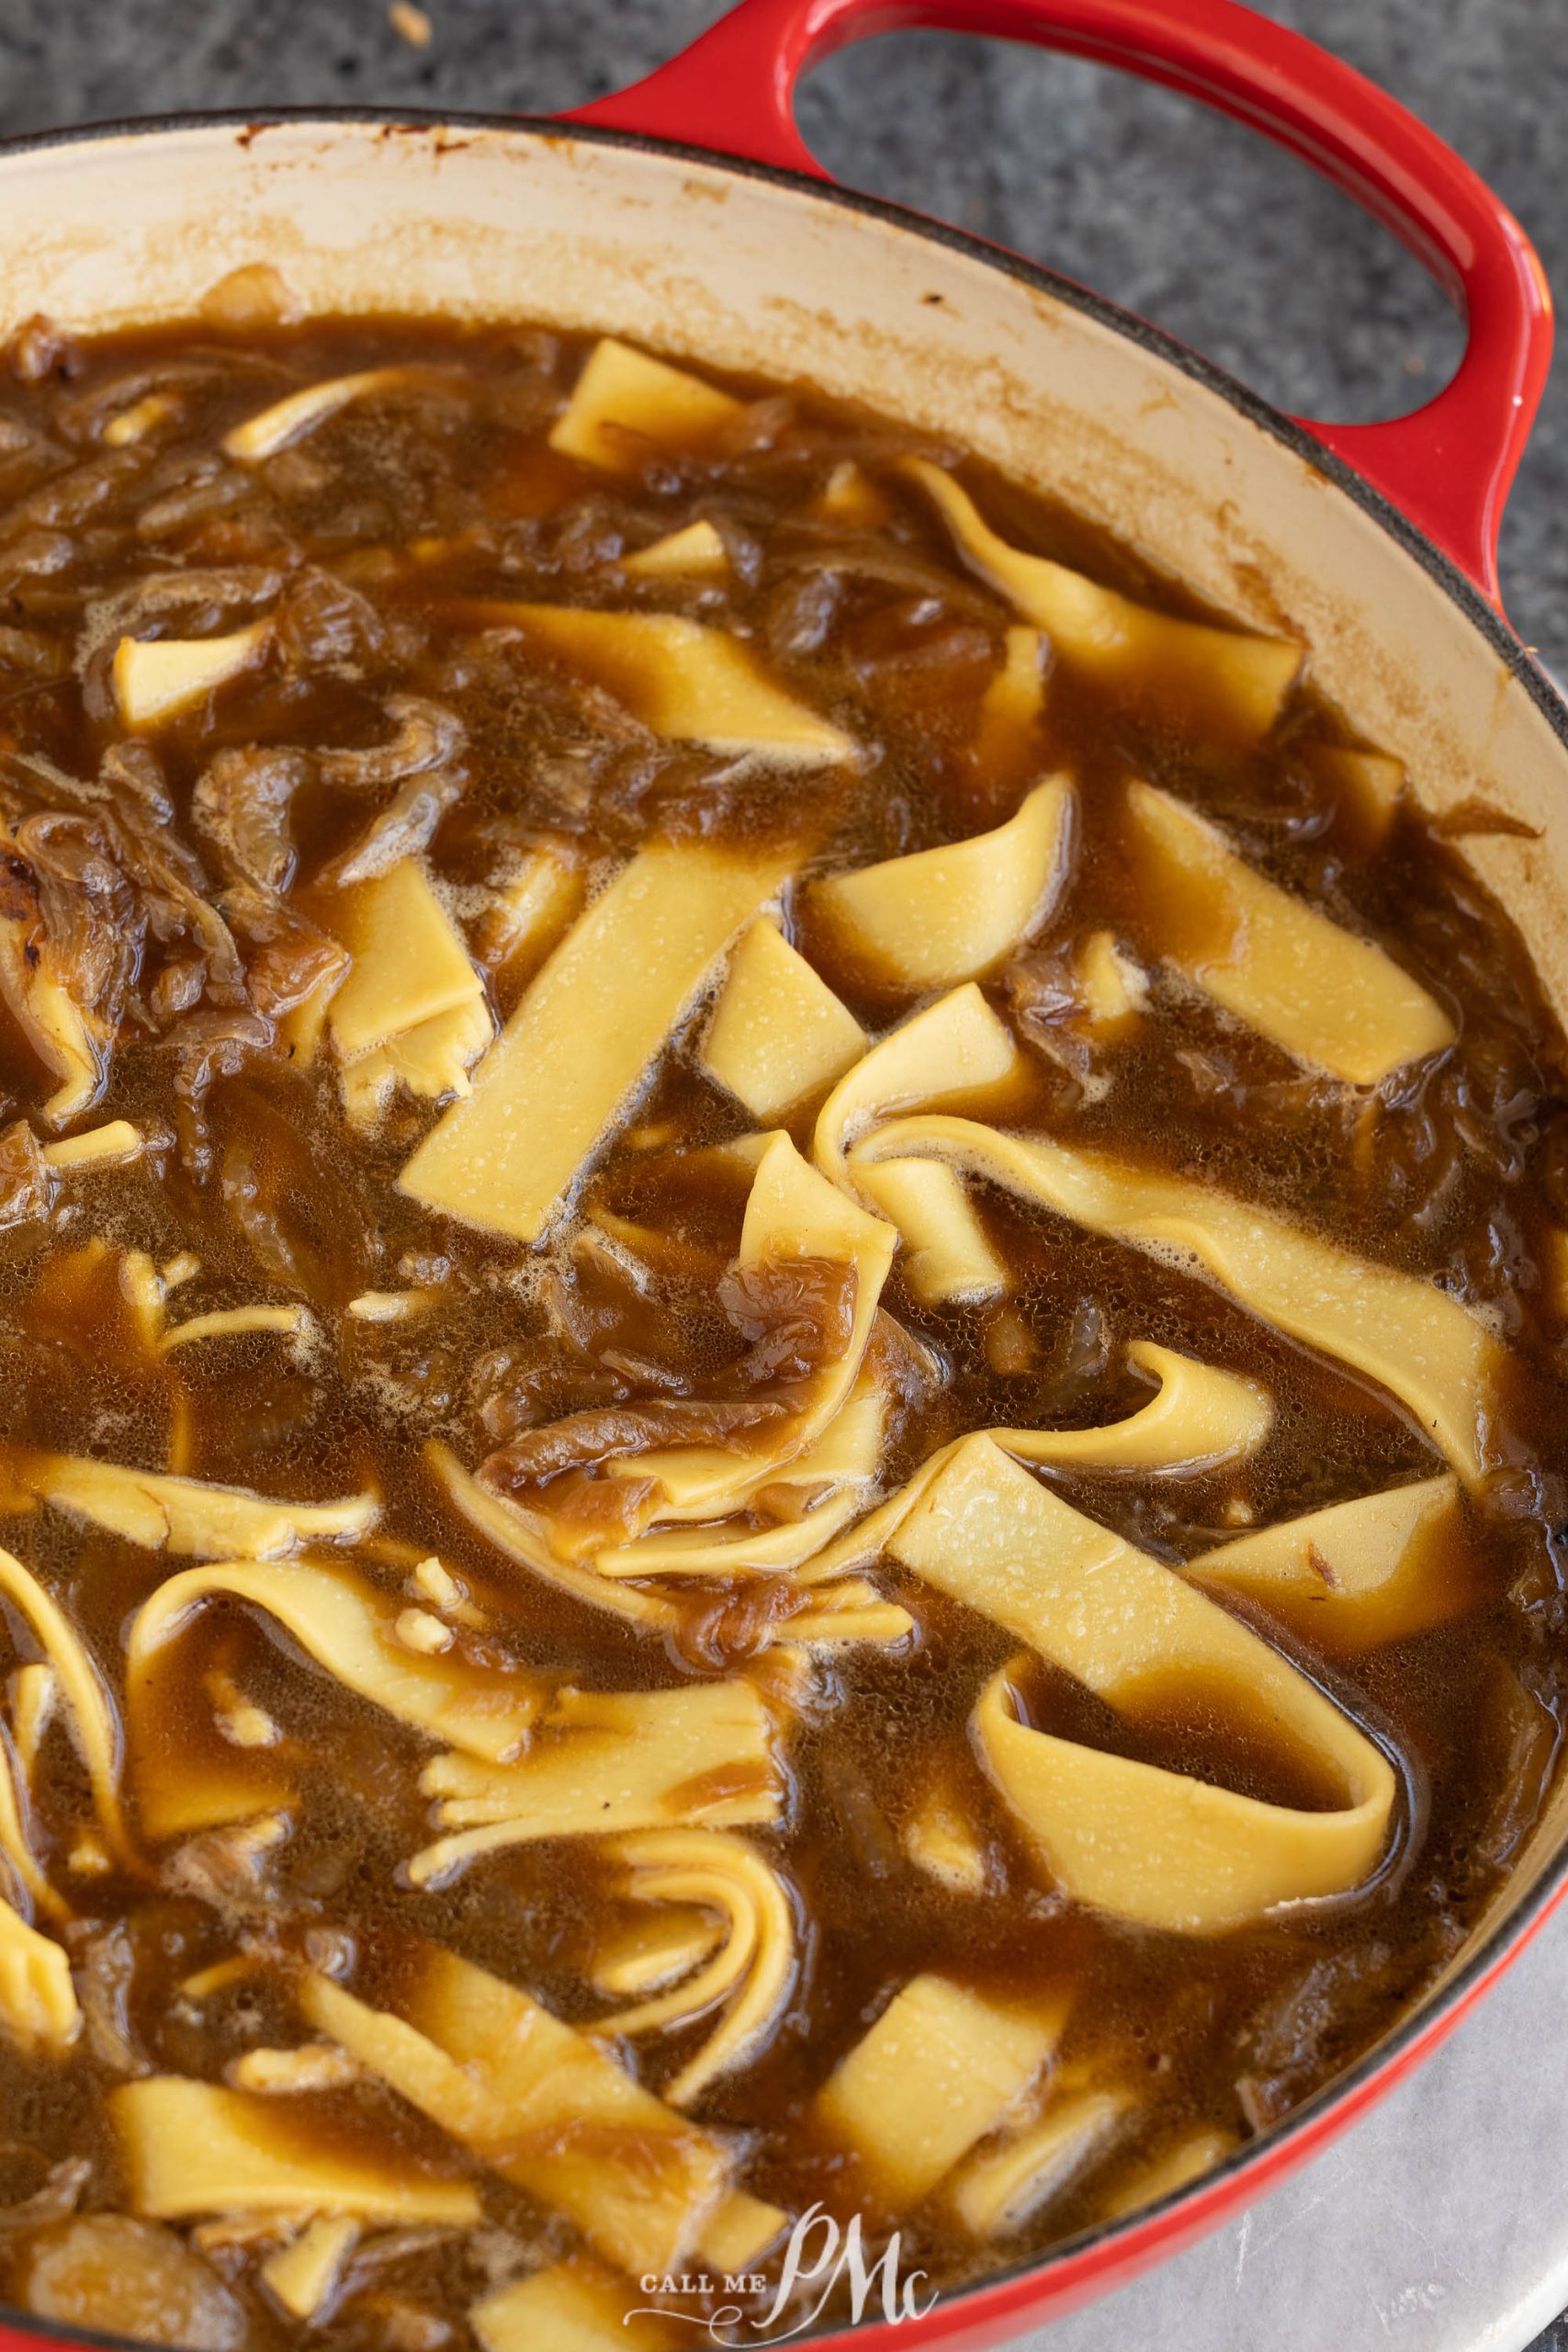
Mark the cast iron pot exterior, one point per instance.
(644, 217)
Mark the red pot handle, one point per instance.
(1449, 466)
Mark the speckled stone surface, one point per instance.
(1441, 2221)
(1153, 201)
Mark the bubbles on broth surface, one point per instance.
(383, 522)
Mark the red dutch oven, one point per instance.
(687, 213)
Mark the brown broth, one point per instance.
(374, 527)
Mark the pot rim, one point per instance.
(1156, 2229)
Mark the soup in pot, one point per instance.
(783, 1275)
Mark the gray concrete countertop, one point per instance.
(1234, 248)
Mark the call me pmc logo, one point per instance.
(818, 2258)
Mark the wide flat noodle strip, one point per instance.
(947, 1260)
(93, 1726)
(161, 1512)
(1189, 671)
(940, 2067)
(1112, 988)
(695, 553)
(234, 1323)
(305, 2275)
(852, 1611)
(289, 419)
(431, 1061)
(1333, 1000)
(726, 1550)
(478, 2018)
(940, 1838)
(1145, 1844)
(603, 1762)
(681, 681)
(830, 1437)
(408, 964)
(754, 1968)
(541, 2104)
(944, 1055)
(1196, 2153)
(1006, 748)
(1371, 787)
(1440, 1360)
(586, 1033)
(188, 2148)
(33, 1691)
(572, 2307)
(1171, 1852)
(39, 2010)
(1000, 2188)
(1356, 1573)
(350, 1629)
(778, 1032)
(13, 1844)
(652, 1950)
(522, 1537)
(160, 678)
(943, 916)
(528, 913)
(850, 499)
(1201, 1417)
(627, 407)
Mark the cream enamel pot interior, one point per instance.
(762, 269)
